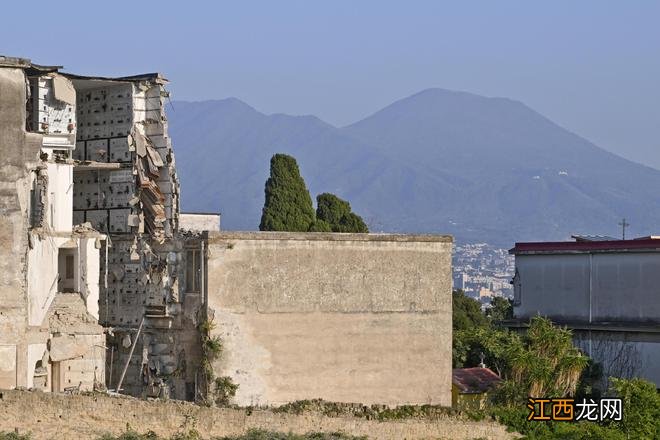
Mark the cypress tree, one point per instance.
(337, 213)
(288, 205)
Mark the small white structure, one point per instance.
(199, 221)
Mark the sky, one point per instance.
(591, 66)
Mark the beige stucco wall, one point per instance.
(343, 317)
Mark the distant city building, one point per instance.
(482, 266)
(606, 291)
(484, 292)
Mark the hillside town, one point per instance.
(483, 271)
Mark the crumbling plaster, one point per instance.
(20, 152)
(32, 310)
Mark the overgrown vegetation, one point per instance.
(539, 362)
(543, 362)
(13, 436)
(269, 435)
(288, 205)
(371, 412)
(251, 435)
(219, 390)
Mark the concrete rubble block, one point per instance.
(63, 347)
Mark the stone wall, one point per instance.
(343, 317)
(55, 416)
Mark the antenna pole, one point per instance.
(623, 225)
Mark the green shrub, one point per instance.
(224, 390)
(269, 435)
(641, 408)
(13, 436)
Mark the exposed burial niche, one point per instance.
(67, 268)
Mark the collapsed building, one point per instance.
(107, 285)
(93, 152)
(125, 185)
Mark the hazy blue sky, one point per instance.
(591, 66)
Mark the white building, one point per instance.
(606, 291)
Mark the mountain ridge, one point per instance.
(484, 169)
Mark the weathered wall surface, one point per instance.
(17, 148)
(193, 221)
(43, 334)
(591, 287)
(50, 416)
(343, 317)
(43, 275)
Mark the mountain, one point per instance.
(482, 169)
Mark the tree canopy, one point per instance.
(540, 362)
(500, 309)
(543, 362)
(288, 205)
(338, 215)
(466, 312)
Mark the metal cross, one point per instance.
(623, 225)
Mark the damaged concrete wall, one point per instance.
(44, 255)
(77, 346)
(125, 184)
(20, 151)
(342, 317)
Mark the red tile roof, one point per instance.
(474, 380)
